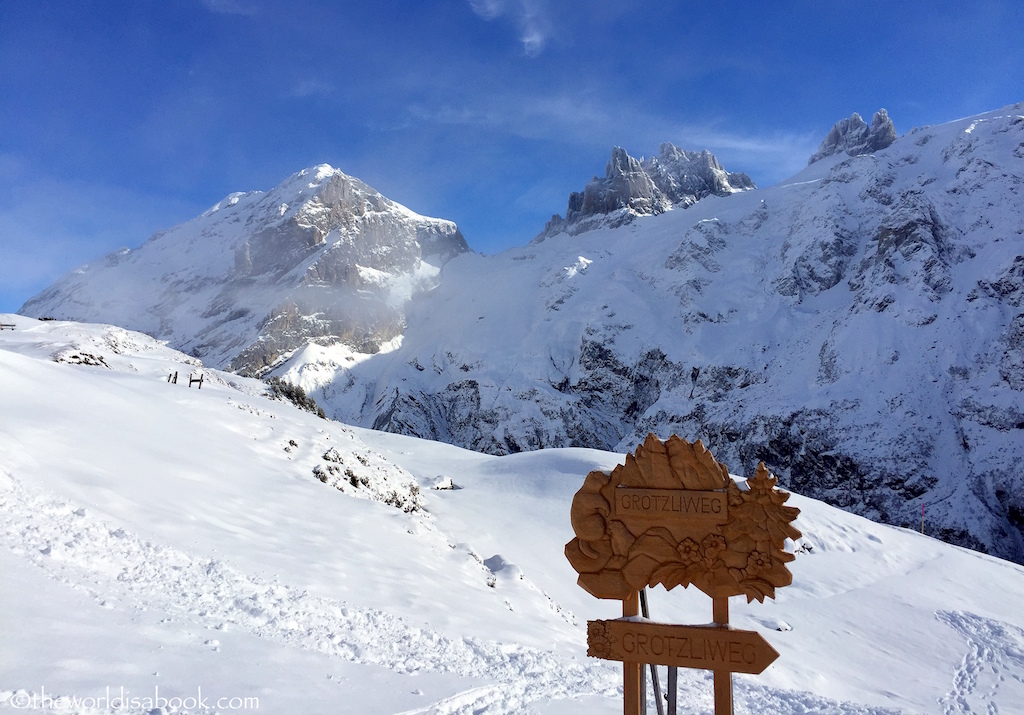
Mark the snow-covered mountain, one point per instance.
(643, 187)
(322, 257)
(858, 327)
(163, 541)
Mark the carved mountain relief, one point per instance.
(671, 515)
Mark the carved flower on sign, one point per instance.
(671, 515)
(713, 546)
(757, 562)
(689, 552)
(598, 641)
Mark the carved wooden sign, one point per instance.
(671, 515)
(707, 647)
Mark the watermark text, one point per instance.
(116, 699)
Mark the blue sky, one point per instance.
(120, 118)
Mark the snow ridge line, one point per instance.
(76, 548)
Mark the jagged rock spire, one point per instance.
(635, 187)
(854, 137)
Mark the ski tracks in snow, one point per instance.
(116, 566)
(994, 662)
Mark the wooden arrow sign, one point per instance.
(709, 647)
(673, 516)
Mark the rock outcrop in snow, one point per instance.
(323, 257)
(854, 137)
(641, 187)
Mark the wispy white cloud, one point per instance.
(230, 7)
(488, 9)
(530, 17)
(447, 114)
(584, 119)
(311, 87)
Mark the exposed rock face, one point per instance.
(859, 329)
(645, 187)
(685, 177)
(854, 137)
(323, 257)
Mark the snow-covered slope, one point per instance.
(859, 328)
(175, 542)
(321, 257)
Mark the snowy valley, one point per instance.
(858, 328)
(163, 538)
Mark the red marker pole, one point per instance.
(922, 517)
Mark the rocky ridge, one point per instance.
(642, 187)
(854, 137)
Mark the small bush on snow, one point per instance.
(280, 389)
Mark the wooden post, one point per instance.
(720, 610)
(643, 690)
(723, 678)
(631, 672)
(673, 689)
(659, 706)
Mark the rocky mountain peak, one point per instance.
(321, 257)
(854, 137)
(378, 232)
(688, 176)
(626, 185)
(637, 187)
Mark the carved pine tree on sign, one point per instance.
(671, 515)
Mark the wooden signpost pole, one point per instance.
(723, 678)
(673, 689)
(631, 672)
(659, 705)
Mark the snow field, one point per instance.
(157, 536)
